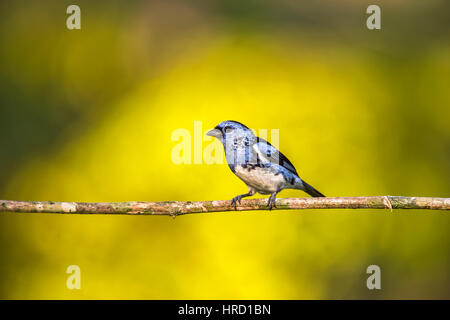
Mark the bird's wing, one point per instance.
(269, 153)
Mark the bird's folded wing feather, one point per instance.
(268, 153)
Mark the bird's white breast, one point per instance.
(263, 180)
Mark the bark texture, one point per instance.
(176, 208)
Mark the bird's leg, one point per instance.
(239, 197)
(272, 199)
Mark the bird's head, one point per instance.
(229, 128)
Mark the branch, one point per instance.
(176, 208)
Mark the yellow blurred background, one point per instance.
(87, 115)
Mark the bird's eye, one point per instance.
(227, 129)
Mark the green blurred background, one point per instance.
(87, 115)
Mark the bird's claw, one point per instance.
(271, 204)
(236, 200)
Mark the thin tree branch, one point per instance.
(176, 208)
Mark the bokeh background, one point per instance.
(87, 115)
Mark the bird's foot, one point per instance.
(235, 200)
(272, 199)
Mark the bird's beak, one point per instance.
(214, 133)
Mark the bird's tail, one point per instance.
(311, 191)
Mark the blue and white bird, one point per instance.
(255, 161)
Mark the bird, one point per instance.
(263, 168)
